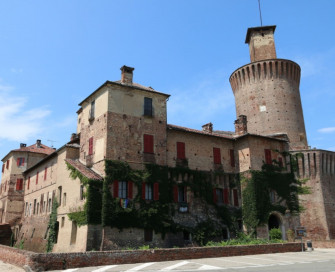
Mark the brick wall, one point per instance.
(57, 261)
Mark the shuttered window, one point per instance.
(268, 158)
(45, 173)
(3, 168)
(37, 177)
(148, 141)
(181, 150)
(19, 184)
(217, 155)
(90, 146)
(7, 164)
(147, 106)
(20, 161)
(28, 185)
(226, 196)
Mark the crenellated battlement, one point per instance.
(259, 71)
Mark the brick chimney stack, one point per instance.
(208, 127)
(127, 74)
(261, 43)
(241, 125)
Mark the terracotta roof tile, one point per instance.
(89, 173)
(169, 126)
(43, 149)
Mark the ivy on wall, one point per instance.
(256, 189)
(52, 227)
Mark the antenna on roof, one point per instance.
(52, 142)
(260, 12)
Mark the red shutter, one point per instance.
(235, 197)
(175, 193)
(22, 161)
(18, 161)
(116, 188)
(217, 155)
(7, 164)
(130, 189)
(148, 143)
(156, 191)
(215, 199)
(17, 184)
(37, 178)
(45, 173)
(268, 159)
(143, 190)
(181, 150)
(225, 196)
(280, 161)
(90, 146)
(232, 158)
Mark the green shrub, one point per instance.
(275, 234)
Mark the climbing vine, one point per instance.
(256, 189)
(52, 226)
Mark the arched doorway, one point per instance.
(275, 221)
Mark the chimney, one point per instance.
(261, 43)
(73, 136)
(38, 143)
(127, 74)
(207, 127)
(241, 125)
(22, 145)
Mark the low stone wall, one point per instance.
(58, 261)
(324, 244)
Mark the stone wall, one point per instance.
(59, 261)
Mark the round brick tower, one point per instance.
(267, 90)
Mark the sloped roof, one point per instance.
(174, 127)
(87, 172)
(43, 149)
(131, 85)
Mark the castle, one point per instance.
(127, 178)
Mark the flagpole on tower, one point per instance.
(260, 12)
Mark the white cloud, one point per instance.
(17, 121)
(327, 130)
(200, 103)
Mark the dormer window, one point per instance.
(147, 106)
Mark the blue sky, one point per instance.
(53, 54)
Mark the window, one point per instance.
(37, 208)
(181, 150)
(28, 185)
(45, 173)
(34, 211)
(20, 162)
(235, 195)
(19, 184)
(226, 196)
(147, 106)
(148, 233)
(218, 196)
(92, 110)
(90, 146)
(59, 195)
(3, 168)
(49, 205)
(268, 159)
(232, 158)
(37, 177)
(148, 143)
(217, 155)
(64, 199)
(73, 233)
(63, 221)
(180, 194)
(150, 191)
(123, 189)
(280, 162)
(82, 196)
(7, 164)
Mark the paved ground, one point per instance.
(320, 260)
